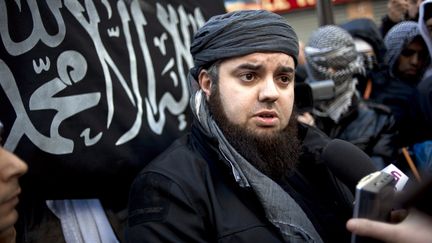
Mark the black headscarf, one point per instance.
(240, 33)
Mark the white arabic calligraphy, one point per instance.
(72, 67)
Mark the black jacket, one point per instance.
(369, 126)
(400, 97)
(189, 195)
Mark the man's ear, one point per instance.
(205, 82)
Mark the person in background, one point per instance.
(398, 11)
(369, 43)
(407, 59)
(247, 171)
(331, 55)
(11, 169)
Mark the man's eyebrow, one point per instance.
(285, 69)
(249, 66)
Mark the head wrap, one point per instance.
(240, 33)
(331, 54)
(398, 37)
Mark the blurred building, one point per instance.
(303, 16)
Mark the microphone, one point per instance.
(374, 189)
(347, 162)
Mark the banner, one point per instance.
(91, 91)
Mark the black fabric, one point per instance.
(242, 32)
(418, 125)
(59, 119)
(207, 205)
(424, 89)
(91, 91)
(399, 96)
(369, 126)
(386, 25)
(427, 12)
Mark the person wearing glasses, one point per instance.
(11, 169)
(407, 58)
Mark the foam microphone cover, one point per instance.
(347, 162)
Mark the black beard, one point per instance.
(275, 155)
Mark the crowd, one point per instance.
(250, 167)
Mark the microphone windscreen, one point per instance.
(347, 162)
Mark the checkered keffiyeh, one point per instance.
(331, 54)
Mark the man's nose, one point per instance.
(415, 58)
(269, 91)
(13, 167)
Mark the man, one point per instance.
(398, 11)
(407, 59)
(11, 169)
(370, 44)
(331, 55)
(246, 172)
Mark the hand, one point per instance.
(306, 118)
(397, 9)
(8, 235)
(416, 227)
(11, 168)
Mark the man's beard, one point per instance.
(275, 154)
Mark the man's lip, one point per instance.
(271, 114)
(15, 195)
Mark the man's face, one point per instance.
(251, 100)
(257, 91)
(412, 61)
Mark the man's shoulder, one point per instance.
(180, 160)
(180, 149)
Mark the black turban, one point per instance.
(240, 33)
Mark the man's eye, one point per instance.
(248, 77)
(285, 79)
